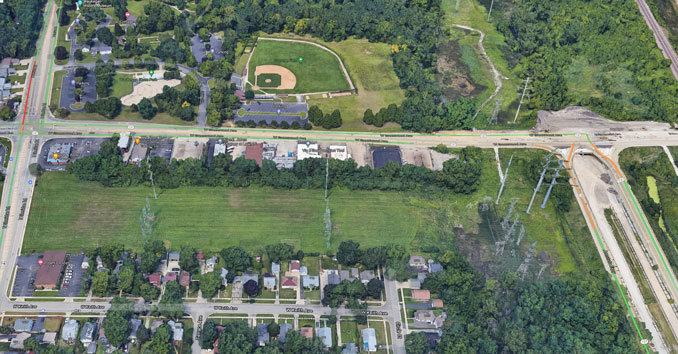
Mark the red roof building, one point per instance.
(295, 265)
(289, 283)
(307, 332)
(170, 276)
(421, 295)
(155, 279)
(185, 278)
(49, 272)
(199, 256)
(253, 152)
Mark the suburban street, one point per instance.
(592, 146)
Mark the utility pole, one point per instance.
(521, 100)
(503, 181)
(553, 182)
(490, 12)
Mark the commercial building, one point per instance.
(307, 150)
(49, 272)
(339, 152)
(58, 154)
(254, 152)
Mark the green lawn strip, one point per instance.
(126, 115)
(349, 332)
(242, 112)
(46, 293)
(56, 87)
(14, 78)
(40, 299)
(8, 149)
(319, 71)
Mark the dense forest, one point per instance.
(20, 24)
(595, 53)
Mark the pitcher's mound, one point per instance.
(274, 77)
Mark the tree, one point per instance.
(101, 284)
(187, 260)
(416, 343)
(209, 334)
(117, 29)
(78, 92)
(280, 252)
(461, 176)
(7, 113)
(238, 337)
(110, 254)
(251, 288)
(349, 253)
(315, 115)
(126, 279)
(61, 53)
(249, 94)
(146, 109)
(210, 283)
(236, 260)
(6, 330)
(204, 34)
(35, 169)
(171, 304)
(161, 342)
(105, 36)
(460, 114)
(273, 329)
(149, 291)
(78, 54)
(142, 334)
(374, 287)
(368, 117)
(31, 344)
(150, 257)
(296, 343)
(116, 327)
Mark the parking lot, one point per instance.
(383, 154)
(269, 111)
(27, 268)
(159, 147)
(72, 279)
(80, 147)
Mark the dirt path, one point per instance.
(495, 73)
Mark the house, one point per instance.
(173, 262)
(88, 334)
(289, 283)
(294, 266)
(170, 276)
(185, 278)
(421, 276)
(414, 283)
(325, 334)
(433, 338)
(421, 295)
(350, 348)
(177, 330)
(70, 330)
(100, 263)
(303, 270)
(49, 338)
(417, 262)
(23, 325)
(311, 281)
(434, 267)
(249, 275)
(366, 276)
(424, 317)
(200, 256)
(355, 273)
(333, 277)
(369, 340)
(18, 341)
(307, 332)
(49, 272)
(345, 275)
(134, 327)
(155, 279)
(263, 337)
(270, 281)
(85, 263)
(155, 324)
(275, 268)
(253, 152)
(224, 273)
(306, 150)
(92, 348)
(39, 325)
(436, 303)
(284, 328)
(211, 263)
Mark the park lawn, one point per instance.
(288, 294)
(349, 332)
(122, 85)
(126, 115)
(210, 218)
(56, 88)
(320, 70)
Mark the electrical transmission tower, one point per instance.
(522, 96)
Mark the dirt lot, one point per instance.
(416, 156)
(185, 148)
(575, 119)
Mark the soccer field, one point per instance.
(68, 214)
(317, 71)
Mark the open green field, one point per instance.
(64, 215)
(318, 72)
(126, 115)
(122, 85)
(56, 87)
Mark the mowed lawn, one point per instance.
(319, 71)
(71, 215)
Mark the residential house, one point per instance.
(307, 332)
(185, 278)
(224, 273)
(284, 328)
(325, 334)
(249, 275)
(275, 268)
(134, 327)
(92, 348)
(369, 340)
(433, 338)
(417, 262)
(177, 330)
(294, 266)
(303, 270)
(100, 263)
(311, 281)
(88, 334)
(434, 267)
(333, 277)
(23, 325)
(421, 276)
(355, 273)
(211, 263)
(345, 275)
(263, 337)
(366, 276)
(85, 263)
(270, 281)
(49, 338)
(155, 279)
(70, 330)
(350, 348)
(436, 303)
(155, 324)
(421, 295)
(173, 262)
(289, 283)
(424, 317)
(414, 283)
(18, 341)
(170, 276)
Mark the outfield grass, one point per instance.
(65, 216)
(320, 70)
(56, 87)
(274, 80)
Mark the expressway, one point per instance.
(572, 138)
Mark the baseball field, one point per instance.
(294, 67)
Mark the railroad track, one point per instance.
(660, 37)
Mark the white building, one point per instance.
(123, 142)
(339, 152)
(219, 149)
(369, 340)
(307, 150)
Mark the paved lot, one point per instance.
(215, 43)
(383, 154)
(67, 96)
(270, 112)
(71, 285)
(159, 147)
(80, 147)
(27, 268)
(198, 48)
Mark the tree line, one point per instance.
(460, 175)
(20, 24)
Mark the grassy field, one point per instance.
(122, 85)
(127, 115)
(56, 87)
(320, 70)
(14, 78)
(212, 218)
(273, 80)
